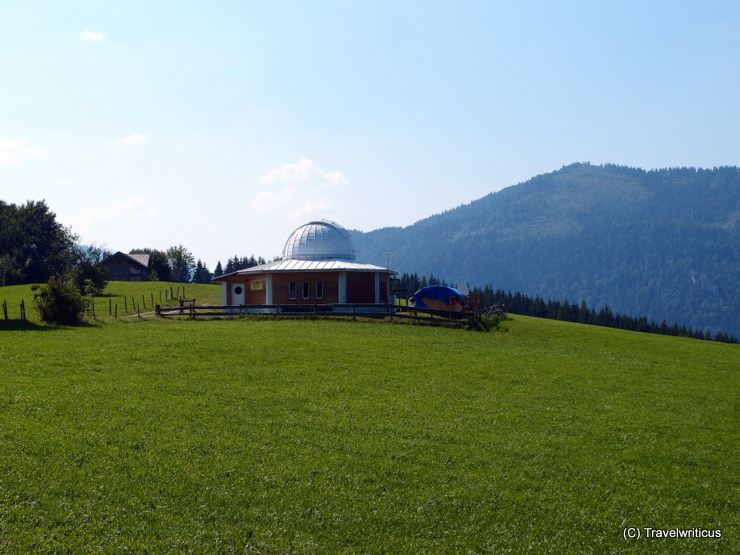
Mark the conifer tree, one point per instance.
(201, 274)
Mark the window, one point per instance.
(319, 291)
(306, 290)
(291, 290)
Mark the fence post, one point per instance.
(152, 295)
(138, 310)
(110, 307)
(5, 309)
(142, 300)
(115, 315)
(125, 304)
(23, 309)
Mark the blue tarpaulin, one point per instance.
(436, 292)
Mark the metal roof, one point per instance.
(335, 265)
(319, 240)
(142, 259)
(318, 246)
(139, 259)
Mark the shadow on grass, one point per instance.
(25, 325)
(22, 325)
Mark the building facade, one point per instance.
(318, 267)
(126, 267)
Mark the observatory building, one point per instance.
(318, 267)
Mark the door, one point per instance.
(237, 293)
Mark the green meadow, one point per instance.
(120, 299)
(333, 436)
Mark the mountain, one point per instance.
(660, 243)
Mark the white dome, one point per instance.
(319, 240)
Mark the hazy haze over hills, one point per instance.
(660, 243)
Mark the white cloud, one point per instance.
(134, 139)
(129, 216)
(14, 151)
(297, 190)
(91, 36)
(295, 204)
(304, 172)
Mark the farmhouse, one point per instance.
(318, 267)
(126, 267)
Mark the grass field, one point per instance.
(315, 436)
(129, 298)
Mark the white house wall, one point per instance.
(268, 289)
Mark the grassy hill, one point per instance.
(318, 436)
(130, 298)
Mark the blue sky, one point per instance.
(222, 126)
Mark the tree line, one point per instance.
(519, 303)
(176, 264)
(238, 263)
(35, 247)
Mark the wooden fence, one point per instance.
(187, 307)
(99, 306)
(10, 311)
(351, 310)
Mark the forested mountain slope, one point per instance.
(660, 243)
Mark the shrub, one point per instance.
(89, 278)
(59, 302)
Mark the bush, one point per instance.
(89, 278)
(59, 302)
